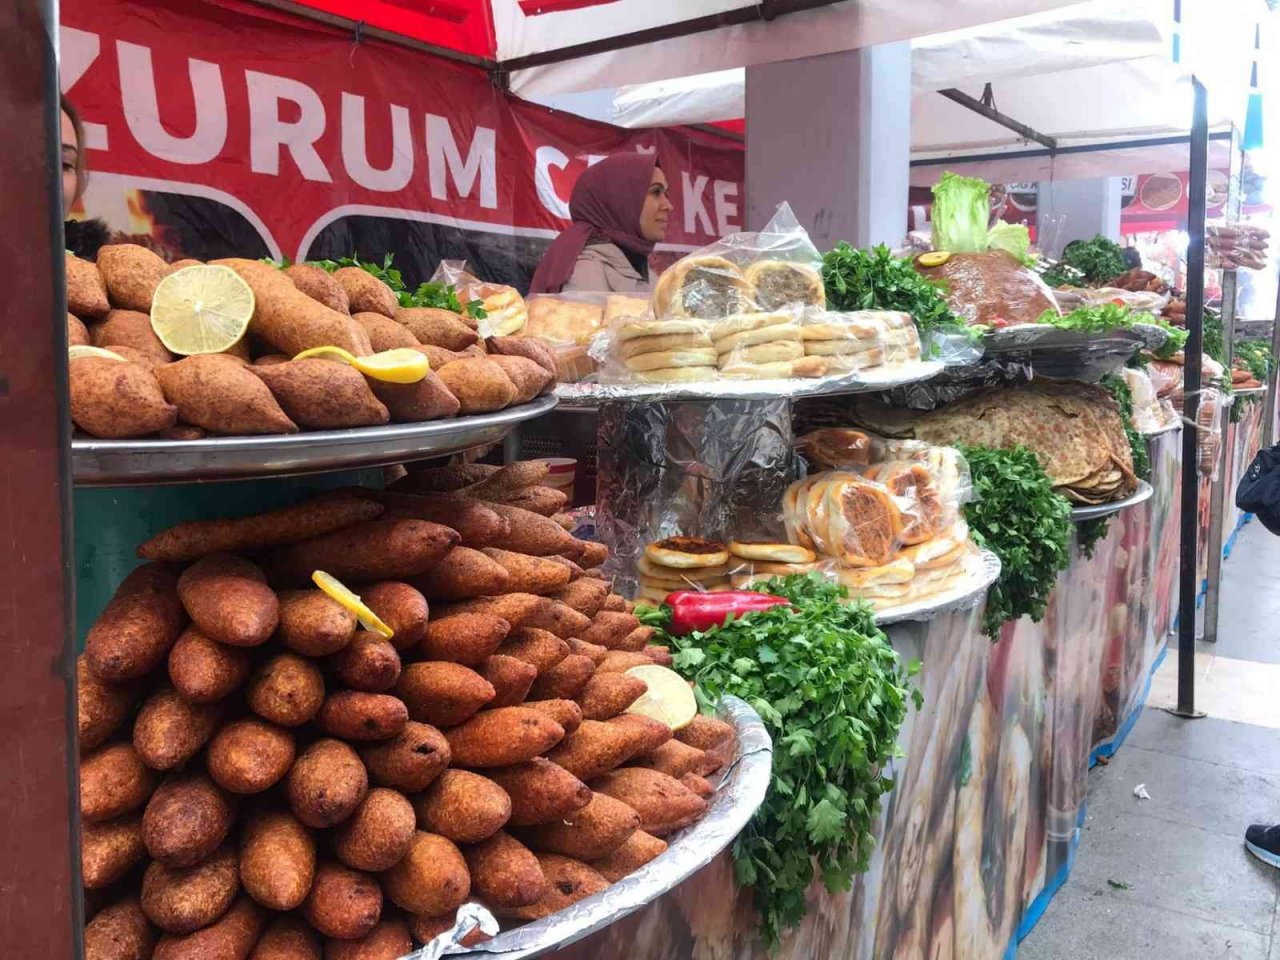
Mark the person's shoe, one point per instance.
(1264, 843)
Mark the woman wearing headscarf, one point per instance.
(619, 208)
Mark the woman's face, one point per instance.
(70, 165)
(653, 218)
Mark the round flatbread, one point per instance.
(758, 371)
(772, 552)
(747, 338)
(701, 575)
(853, 330)
(685, 553)
(663, 342)
(777, 283)
(838, 348)
(708, 288)
(849, 362)
(780, 351)
(862, 578)
(632, 329)
(676, 375)
(672, 358)
(749, 321)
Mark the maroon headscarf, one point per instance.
(607, 199)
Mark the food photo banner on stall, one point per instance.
(221, 128)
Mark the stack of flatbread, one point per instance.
(899, 338)
(763, 346)
(1074, 429)
(682, 563)
(750, 562)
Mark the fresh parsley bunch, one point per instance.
(877, 280)
(1016, 514)
(1101, 317)
(384, 271)
(1137, 442)
(442, 297)
(833, 695)
(1093, 262)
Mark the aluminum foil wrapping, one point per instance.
(739, 792)
(1071, 354)
(714, 469)
(984, 571)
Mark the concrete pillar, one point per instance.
(1069, 210)
(832, 135)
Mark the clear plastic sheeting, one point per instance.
(981, 571)
(740, 790)
(1071, 354)
(713, 469)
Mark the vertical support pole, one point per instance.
(39, 832)
(1273, 380)
(1188, 574)
(1218, 493)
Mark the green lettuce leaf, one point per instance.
(961, 209)
(1013, 238)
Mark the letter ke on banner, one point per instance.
(221, 128)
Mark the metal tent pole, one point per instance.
(1218, 493)
(1273, 378)
(1188, 573)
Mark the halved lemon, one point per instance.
(401, 365)
(335, 589)
(201, 309)
(935, 259)
(79, 350)
(669, 697)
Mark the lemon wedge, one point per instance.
(935, 259)
(335, 589)
(669, 697)
(79, 350)
(201, 309)
(401, 365)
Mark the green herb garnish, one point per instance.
(1089, 533)
(1137, 442)
(1016, 514)
(833, 695)
(384, 271)
(442, 297)
(1100, 317)
(1087, 262)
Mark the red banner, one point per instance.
(224, 125)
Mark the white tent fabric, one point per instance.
(847, 25)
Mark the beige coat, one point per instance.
(603, 267)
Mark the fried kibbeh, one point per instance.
(479, 384)
(220, 394)
(530, 379)
(319, 285)
(169, 731)
(476, 524)
(585, 595)
(593, 652)
(384, 333)
(620, 661)
(287, 690)
(615, 631)
(531, 533)
(568, 881)
(462, 574)
(110, 850)
(503, 736)
(186, 819)
(343, 903)
(378, 834)
(205, 671)
(595, 831)
(116, 400)
(504, 872)
(428, 399)
(185, 899)
(113, 781)
(557, 618)
(290, 321)
(357, 716)
(463, 806)
(437, 328)
(249, 756)
(232, 937)
(594, 748)
(370, 551)
(699, 785)
(540, 791)
(389, 940)
(431, 879)
(326, 784)
(288, 938)
(77, 332)
(120, 931)
(131, 274)
(228, 599)
(368, 663)
(566, 680)
(705, 732)
(645, 733)
(322, 394)
(511, 679)
(608, 694)
(675, 759)
(544, 501)
(465, 638)
(307, 520)
(101, 708)
(129, 328)
(314, 624)
(564, 712)
(365, 292)
(529, 574)
(442, 694)
(402, 608)
(539, 648)
(425, 929)
(638, 849)
(410, 761)
(530, 348)
(86, 290)
(663, 803)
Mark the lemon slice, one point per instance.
(401, 365)
(335, 589)
(201, 309)
(935, 259)
(79, 350)
(669, 697)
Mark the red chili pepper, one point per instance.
(696, 610)
(999, 323)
